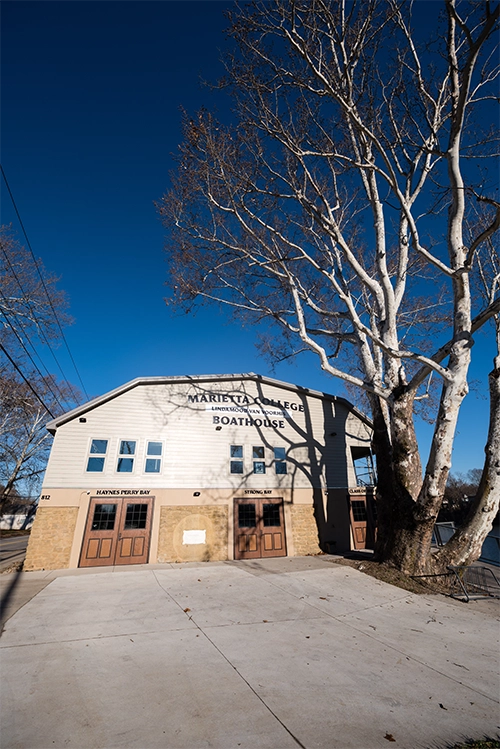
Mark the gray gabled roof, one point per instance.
(53, 425)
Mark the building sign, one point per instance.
(121, 492)
(194, 537)
(248, 422)
(237, 409)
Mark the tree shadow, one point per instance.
(317, 451)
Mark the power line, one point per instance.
(47, 381)
(40, 327)
(27, 382)
(43, 282)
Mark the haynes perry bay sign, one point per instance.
(237, 409)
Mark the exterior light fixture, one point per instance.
(83, 420)
(196, 494)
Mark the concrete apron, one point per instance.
(269, 653)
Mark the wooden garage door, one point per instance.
(117, 532)
(259, 528)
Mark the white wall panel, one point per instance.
(317, 433)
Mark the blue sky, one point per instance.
(91, 99)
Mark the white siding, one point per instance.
(195, 453)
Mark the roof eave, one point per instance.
(79, 411)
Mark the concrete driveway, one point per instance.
(280, 653)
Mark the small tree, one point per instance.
(340, 208)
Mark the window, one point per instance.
(271, 515)
(236, 453)
(95, 463)
(136, 517)
(126, 464)
(259, 465)
(153, 457)
(358, 511)
(363, 466)
(280, 460)
(247, 517)
(104, 518)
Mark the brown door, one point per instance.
(363, 514)
(259, 528)
(117, 532)
(359, 519)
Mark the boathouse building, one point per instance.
(192, 468)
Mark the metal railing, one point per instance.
(468, 582)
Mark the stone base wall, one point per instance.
(175, 520)
(305, 530)
(51, 538)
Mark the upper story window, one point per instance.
(363, 466)
(98, 449)
(280, 460)
(259, 465)
(126, 456)
(153, 457)
(236, 454)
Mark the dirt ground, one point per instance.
(390, 575)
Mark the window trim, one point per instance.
(235, 459)
(257, 460)
(147, 457)
(280, 461)
(131, 456)
(101, 456)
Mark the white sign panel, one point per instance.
(194, 537)
(249, 410)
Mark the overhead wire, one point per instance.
(26, 381)
(41, 331)
(43, 284)
(46, 379)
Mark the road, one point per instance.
(12, 549)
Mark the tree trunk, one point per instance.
(398, 483)
(465, 546)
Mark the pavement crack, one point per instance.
(252, 689)
(224, 656)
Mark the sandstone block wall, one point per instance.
(305, 530)
(175, 520)
(51, 538)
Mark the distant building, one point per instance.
(175, 469)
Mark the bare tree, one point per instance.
(24, 440)
(338, 207)
(29, 300)
(32, 310)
